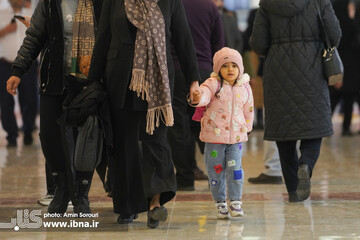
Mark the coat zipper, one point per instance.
(44, 85)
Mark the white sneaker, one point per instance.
(222, 210)
(45, 201)
(235, 209)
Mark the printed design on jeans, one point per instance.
(231, 163)
(213, 182)
(240, 146)
(218, 168)
(213, 153)
(237, 175)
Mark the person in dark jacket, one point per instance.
(254, 66)
(296, 95)
(232, 33)
(135, 64)
(349, 49)
(207, 32)
(51, 32)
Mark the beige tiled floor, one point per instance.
(332, 212)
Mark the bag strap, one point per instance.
(328, 45)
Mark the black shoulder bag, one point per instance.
(332, 64)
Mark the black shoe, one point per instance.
(28, 139)
(303, 187)
(82, 203)
(347, 133)
(199, 174)
(61, 196)
(152, 223)
(266, 179)
(11, 143)
(126, 219)
(158, 213)
(293, 197)
(185, 188)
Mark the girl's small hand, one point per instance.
(194, 87)
(197, 96)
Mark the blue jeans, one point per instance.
(223, 165)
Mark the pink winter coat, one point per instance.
(230, 117)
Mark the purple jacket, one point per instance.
(206, 29)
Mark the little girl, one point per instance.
(224, 127)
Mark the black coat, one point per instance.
(114, 49)
(45, 35)
(296, 96)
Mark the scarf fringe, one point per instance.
(153, 117)
(139, 85)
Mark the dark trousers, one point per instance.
(126, 168)
(349, 99)
(50, 182)
(310, 151)
(141, 165)
(52, 138)
(158, 168)
(50, 132)
(28, 100)
(185, 132)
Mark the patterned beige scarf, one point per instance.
(83, 39)
(150, 73)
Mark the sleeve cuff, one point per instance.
(18, 72)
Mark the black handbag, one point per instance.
(332, 64)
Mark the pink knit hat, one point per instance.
(225, 55)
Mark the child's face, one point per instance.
(230, 72)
